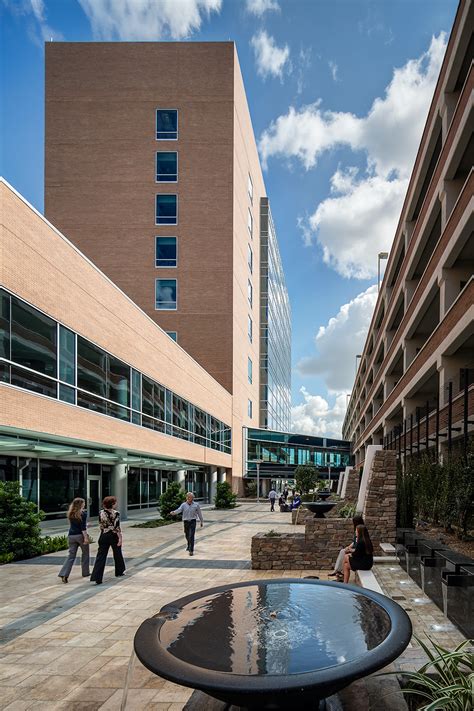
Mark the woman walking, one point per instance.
(110, 535)
(362, 558)
(77, 537)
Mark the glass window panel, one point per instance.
(250, 329)
(200, 427)
(166, 294)
(133, 487)
(250, 223)
(250, 292)
(166, 209)
(91, 402)
(250, 258)
(67, 394)
(249, 370)
(8, 469)
(106, 481)
(250, 408)
(136, 390)
(117, 411)
(4, 325)
(61, 482)
(166, 252)
(32, 381)
(136, 418)
(118, 381)
(167, 124)
(173, 335)
(159, 407)
(29, 487)
(67, 355)
(144, 487)
(91, 368)
(154, 486)
(33, 338)
(167, 167)
(147, 396)
(180, 417)
(250, 189)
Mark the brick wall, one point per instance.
(380, 505)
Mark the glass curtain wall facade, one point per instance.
(275, 330)
(281, 452)
(41, 355)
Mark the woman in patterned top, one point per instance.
(110, 535)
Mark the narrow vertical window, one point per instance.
(166, 209)
(250, 328)
(249, 370)
(167, 167)
(250, 292)
(250, 223)
(166, 295)
(166, 252)
(250, 258)
(249, 408)
(173, 335)
(167, 124)
(250, 189)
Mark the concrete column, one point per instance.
(339, 483)
(180, 477)
(411, 348)
(450, 285)
(213, 483)
(369, 458)
(119, 488)
(221, 474)
(449, 371)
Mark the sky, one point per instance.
(338, 92)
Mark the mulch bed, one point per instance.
(451, 540)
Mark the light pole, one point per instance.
(258, 462)
(381, 255)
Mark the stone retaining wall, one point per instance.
(380, 506)
(317, 548)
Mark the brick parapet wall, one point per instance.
(352, 487)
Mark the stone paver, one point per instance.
(68, 646)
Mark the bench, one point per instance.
(368, 581)
(387, 548)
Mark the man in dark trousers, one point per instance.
(272, 496)
(191, 512)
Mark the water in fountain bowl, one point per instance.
(278, 628)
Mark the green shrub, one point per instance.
(171, 499)
(51, 544)
(224, 498)
(155, 523)
(348, 511)
(445, 681)
(306, 477)
(272, 534)
(6, 558)
(20, 533)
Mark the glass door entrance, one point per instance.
(94, 495)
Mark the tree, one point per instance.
(20, 533)
(171, 499)
(224, 498)
(306, 477)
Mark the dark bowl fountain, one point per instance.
(319, 508)
(323, 495)
(273, 644)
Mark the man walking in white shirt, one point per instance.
(272, 496)
(191, 512)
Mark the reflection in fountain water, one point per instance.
(444, 590)
(284, 628)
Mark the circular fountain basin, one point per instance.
(273, 644)
(319, 508)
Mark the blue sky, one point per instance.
(338, 92)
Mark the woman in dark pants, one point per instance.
(362, 557)
(77, 538)
(110, 535)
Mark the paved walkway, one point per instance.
(68, 646)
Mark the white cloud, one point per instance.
(270, 58)
(315, 416)
(37, 27)
(259, 7)
(334, 69)
(338, 343)
(352, 227)
(359, 219)
(146, 19)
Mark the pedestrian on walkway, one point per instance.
(273, 497)
(77, 537)
(110, 535)
(191, 512)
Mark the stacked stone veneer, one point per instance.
(380, 505)
(319, 546)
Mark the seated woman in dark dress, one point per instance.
(362, 557)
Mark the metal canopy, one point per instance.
(16, 446)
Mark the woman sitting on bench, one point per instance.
(362, 558)
(338, 571)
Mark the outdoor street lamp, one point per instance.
(258, 462)
(381, 255)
